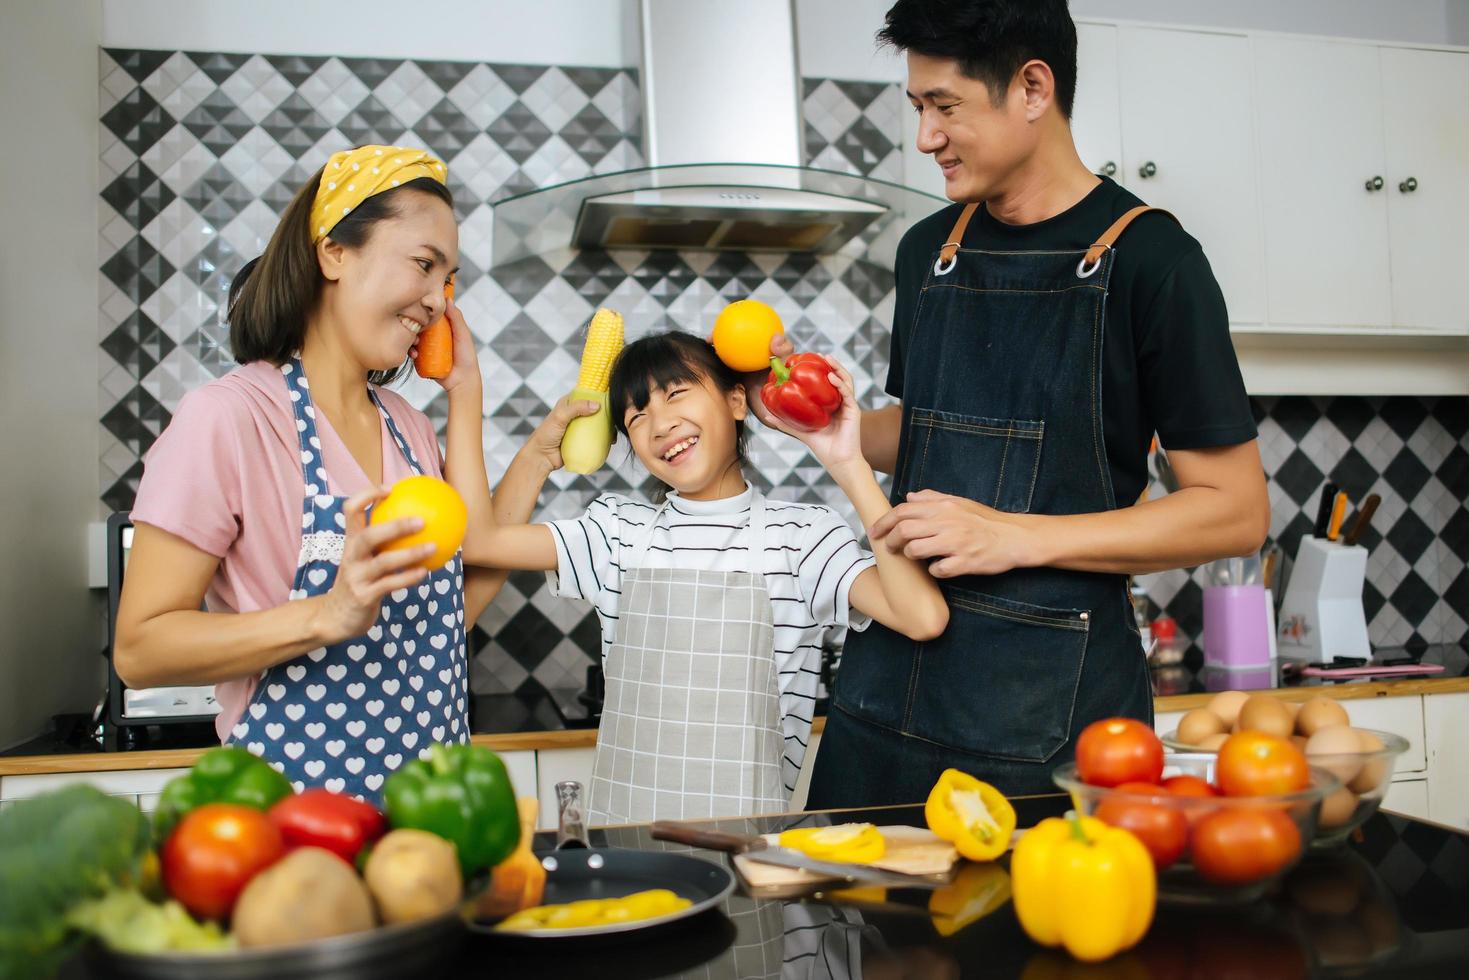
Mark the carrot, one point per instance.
(433, 357)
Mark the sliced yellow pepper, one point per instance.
(1083, 885)
(977, 891)
(972, 815)
(648, 904)
(851, 843)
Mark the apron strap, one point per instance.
(956, 237)
(1110, 236)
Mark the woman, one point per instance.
(335, 660)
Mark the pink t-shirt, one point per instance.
(226, 477)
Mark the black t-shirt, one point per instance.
(1169, 366)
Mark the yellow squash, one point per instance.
(588, 439)
(1083, 885)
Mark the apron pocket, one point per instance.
(1011, 698)
(992, 461)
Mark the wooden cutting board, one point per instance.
(910, 850)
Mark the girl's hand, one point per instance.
(545, 443)
(781, 347)
(839, 445)
(365, 576)
(465, 372)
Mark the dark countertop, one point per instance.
(1192, 677)
(1393, 902)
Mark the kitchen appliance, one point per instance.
(133, 707)
(722, 135)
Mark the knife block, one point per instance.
(1321, 616)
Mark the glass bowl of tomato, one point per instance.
(1365, 775)
(1209, 848)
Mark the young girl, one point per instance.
(714, 604)
(334, 660)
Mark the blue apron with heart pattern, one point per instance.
(345, 716)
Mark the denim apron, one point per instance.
(1002, 404)
(345, 716)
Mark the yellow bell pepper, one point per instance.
(852, 843)
(972, 815)
(977, 891)
(1084, 885)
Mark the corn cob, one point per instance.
(588, 439)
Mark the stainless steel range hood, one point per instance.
(722, 135)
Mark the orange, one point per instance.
(442, 509)
(742, 334)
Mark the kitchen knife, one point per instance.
(1363, 518)
(1323, 511)
(1338, 513)
(757, 848)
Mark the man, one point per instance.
(1033, 370)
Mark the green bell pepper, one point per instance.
(228, 774)
(463, 794)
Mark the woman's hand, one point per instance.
(464, 375)
(545, 443)
(367, 574)
(839, 445)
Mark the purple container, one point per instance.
(1236, 629)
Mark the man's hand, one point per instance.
(957, 535)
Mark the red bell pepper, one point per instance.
(799, 394)
(320, 818)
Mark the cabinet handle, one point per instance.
(1110, 168)
(1409, 186)
(1374, 183)
(1147, 170)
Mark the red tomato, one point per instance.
(1162, 828)
(1194, 787)
(1256, 764)
(1118, 750)
(1239, 845)
(214, 852)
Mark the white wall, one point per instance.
(49, 623)
(1458, 22)
(602, 33)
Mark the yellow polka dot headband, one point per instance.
(352, 176)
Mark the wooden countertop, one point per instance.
(21, 765)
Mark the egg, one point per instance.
(1338, 808)
(1263, 713)
(1336, 749)
(1319, 713)
(1213, 742)
(1226, 705)
(1374, 772)
(1198, 725)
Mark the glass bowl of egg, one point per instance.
(1362, 758)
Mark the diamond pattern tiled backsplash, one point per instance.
(201, 151)
(1414, 453)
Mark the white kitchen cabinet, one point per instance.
(555, 765)
(1096, 116)
(1188, 135)
(523, 770)
(129, 784)
(1446, 725)
(1408, 797)
(1323, 183)
(1428, 183)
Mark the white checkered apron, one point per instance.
(691, 719)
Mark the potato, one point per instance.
(308, 894)
(1319, 713)
(1198, 725)
(1336, 749)
(1213, 742)
(414, 875)
(1338, 808)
